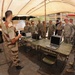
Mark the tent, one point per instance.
(36, 7)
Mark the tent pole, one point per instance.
(2, 11)
(45, 17)
(61, 16)
(9, 4)
(23, 7)
(55, 17)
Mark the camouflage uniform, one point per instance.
(73, 33)
(26, 29)
(12, 48)
(59, 29)
(33, 29)
(71, 67)
(39, 29)
(43, 35)
(67, 33)
(51, 31)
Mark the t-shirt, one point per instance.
(9, 32)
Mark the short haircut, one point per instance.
(32, 21)
(66, 19)
(8, 13)
(71, 19)
(57, 20)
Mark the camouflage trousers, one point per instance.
(43, 35)
(67, 40)
(12, 54)
(50, 34)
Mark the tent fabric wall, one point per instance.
(36, 7)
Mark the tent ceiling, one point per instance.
(54, 7)
(36, 7)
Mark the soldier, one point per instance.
(43, 29)
(59, 29)
(72, 26)
(57, 22)
(72, 63)
(11, 40)
(26, 28)
(67, 31)
(39, 28)
(51, 29)
(33, 27)
(71, 22)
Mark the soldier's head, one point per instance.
(8, 15)
(71, 20)
(43, 22)
(27, 23)
(32, 22)
(50, 22)
(39, 21)
(57, 21)
(66, 21)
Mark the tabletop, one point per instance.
(64, 48)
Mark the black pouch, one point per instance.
(1, 38)
(35, 36)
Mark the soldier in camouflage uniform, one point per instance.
(59, 29)
(51, 29)
(27, 28)
(71, 22)
(43, 29)
(72, 63)
(73, 30)
(39, 28)
(33, 28)
(67, 31)
(11, 40)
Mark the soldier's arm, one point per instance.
(54, 27)
(36, 28)
(14, 40)
(72, 31)
(24, 28)
(12, 36)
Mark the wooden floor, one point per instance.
(33, 65)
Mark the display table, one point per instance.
(63, 51)
(64, 48)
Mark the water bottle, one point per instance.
(19, 33)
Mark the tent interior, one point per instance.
(30, 11)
